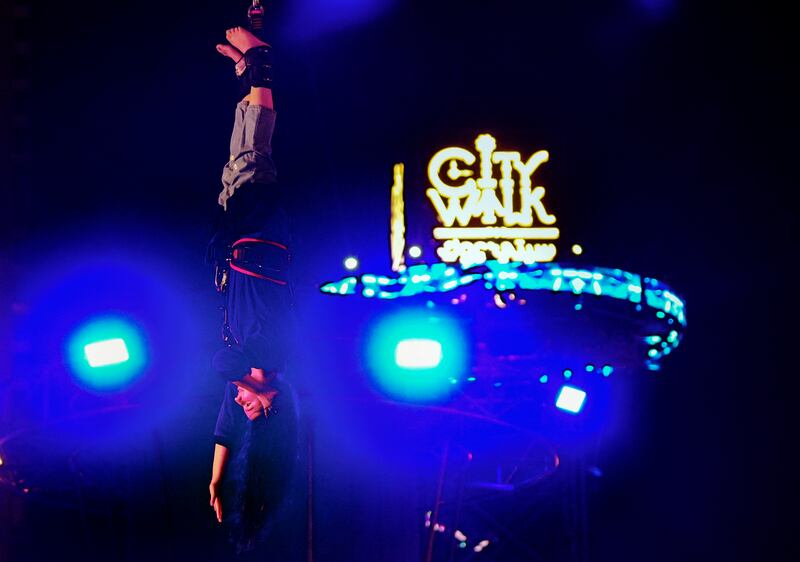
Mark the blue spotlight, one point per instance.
(570, 399)
(416, 355)
(106, 354)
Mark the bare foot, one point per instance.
(243, 40)
(235, 55)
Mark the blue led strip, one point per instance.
(598, 281)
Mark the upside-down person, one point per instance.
(256, 430)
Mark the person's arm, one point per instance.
(217, 470)
(226, 432)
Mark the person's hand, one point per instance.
(255, 393)
(215, 501)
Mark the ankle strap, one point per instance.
(258, 67)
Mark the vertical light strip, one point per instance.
(397, 241)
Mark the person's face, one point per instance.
(249, 403)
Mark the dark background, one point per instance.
(670, 128)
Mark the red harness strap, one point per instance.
(259, 241)
(237, 254)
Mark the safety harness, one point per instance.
(263, 259)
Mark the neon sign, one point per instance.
(484, 217)
(495, 232)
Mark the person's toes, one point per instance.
(229, 51)
(244, 40)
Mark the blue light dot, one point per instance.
(578, 306)
(498, 384)
(589, 368)
(471, 379)
(462, 545)
(607, 370)
(660, 314)
(652, 352)
(567, 373)
(543, 379)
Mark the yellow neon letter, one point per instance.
(455, 210)
(452, 153)
(533, 199)
(489, 206)
(526, 169)
(510, 218)
(486, 144)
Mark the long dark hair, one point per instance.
(261, 470)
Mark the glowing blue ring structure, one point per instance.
(600, 282)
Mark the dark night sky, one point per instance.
(670, 127)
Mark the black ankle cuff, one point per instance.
(258, 55)
(258, 67)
